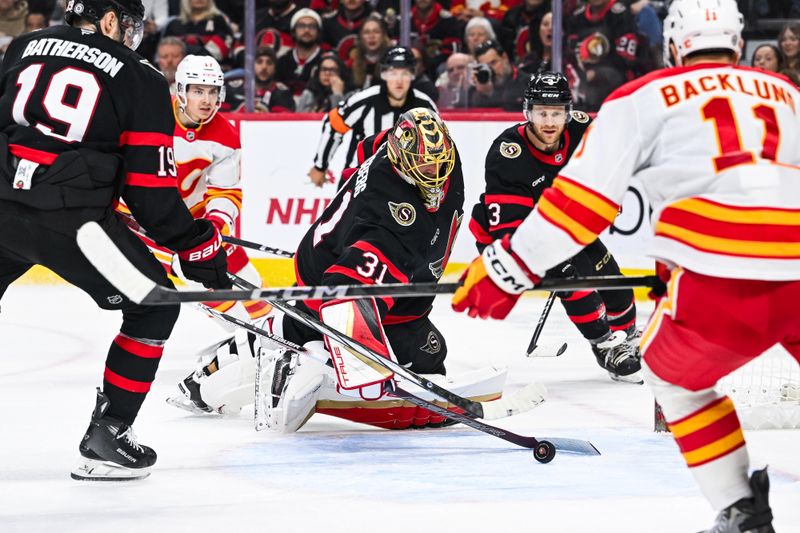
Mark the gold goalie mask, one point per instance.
(422, 152)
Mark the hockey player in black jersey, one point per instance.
(83, 120)
(369, 111)
(520, 165)
(394, 221)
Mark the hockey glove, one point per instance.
(493, 283)
(205, 261)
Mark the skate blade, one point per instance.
(181, 402)
(634, 379)
(95, 470)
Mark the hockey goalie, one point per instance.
(394, 221)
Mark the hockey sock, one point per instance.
(706, 428)
(621, 319)
(130, 369)
(586, 310)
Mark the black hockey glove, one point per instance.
(205, 260)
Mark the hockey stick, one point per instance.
(255, 246)
(548, 350)
(115, 267)
(524, 400)
(543, 448)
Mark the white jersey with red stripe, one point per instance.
(208, 160)
(716, 148)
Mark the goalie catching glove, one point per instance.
(493, 282)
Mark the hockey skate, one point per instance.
(748, 515)
(188, 397)
(615, 354)
(109, 450)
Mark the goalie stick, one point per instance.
(542, 447)
(522, 401)
(101, 251)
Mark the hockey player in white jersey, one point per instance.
(717, 149)
(207, 159)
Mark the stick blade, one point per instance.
(576, 446)
(104, 255)
(552, 349)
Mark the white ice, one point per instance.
(218, 474)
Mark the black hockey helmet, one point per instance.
(398, 57)
(130, 13)
(547, 88)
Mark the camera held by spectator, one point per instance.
(483, 73)
(496, 82)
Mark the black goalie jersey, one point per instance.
(377, 230)
(516, 175)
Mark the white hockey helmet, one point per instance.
(696, 25)
(199, 70)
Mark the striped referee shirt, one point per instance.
(364, 113)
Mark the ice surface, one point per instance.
(217, 474)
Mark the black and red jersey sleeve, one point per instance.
(508, 198)
(150, 190)
(369, 145)
(373, 256)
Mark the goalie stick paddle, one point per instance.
(255, 246)
(115, 267)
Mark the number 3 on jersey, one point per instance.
(69, 100)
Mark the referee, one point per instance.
(370, 111)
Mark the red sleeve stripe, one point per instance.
(480, 234)
(139, 179)
(508, 199)
(145, 138)
(396, 273)
(130, 385)
(360, 152)
(350, 273)
(138, 348)
(31, 154)
(505, 225)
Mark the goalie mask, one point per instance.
(199, 70)
(422, 152)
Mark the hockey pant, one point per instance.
(594, 313)
(238, 263)
(29, 237)
(703, 329)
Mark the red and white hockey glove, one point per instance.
(493, 282)
(205, 261)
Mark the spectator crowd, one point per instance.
(312, 54)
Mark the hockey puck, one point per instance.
(544, 451)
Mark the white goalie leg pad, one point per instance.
(231, 387)
(295, 382)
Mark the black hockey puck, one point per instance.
(544, 451)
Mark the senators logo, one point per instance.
(404, 213)
(510, 150)
(580, 116)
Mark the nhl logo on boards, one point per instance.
(510, 150)
(403, 213)
(580, 116)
